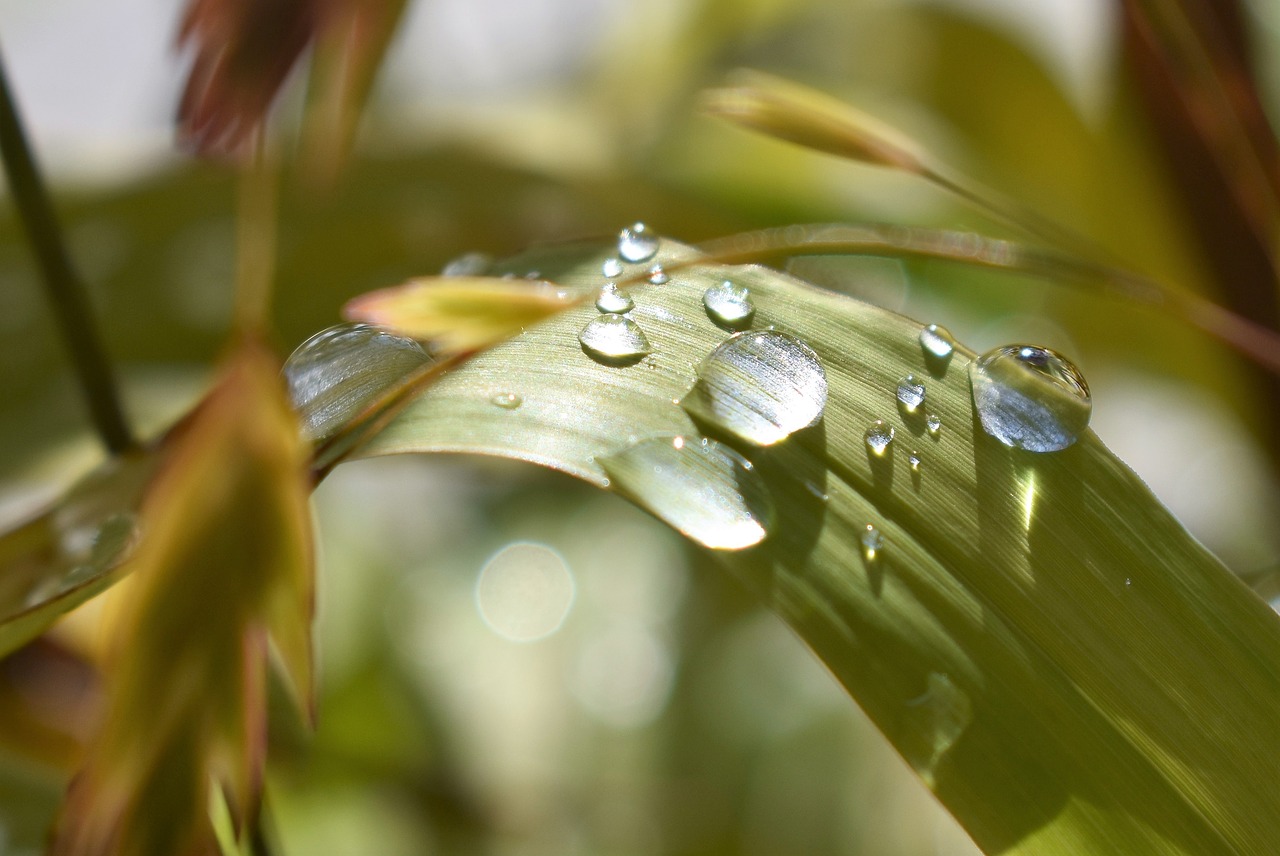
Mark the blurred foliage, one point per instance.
(436, 735)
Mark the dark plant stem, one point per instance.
(66, 292)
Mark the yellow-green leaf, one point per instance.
(222, 566)
(1064, 665)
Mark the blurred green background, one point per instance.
(616, 693)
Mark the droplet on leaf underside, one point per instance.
(337, 373)
(704, 489)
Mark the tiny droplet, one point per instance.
(637, 243)
(611, 268)
(614, 339)
(913, 461)
(933, 424)
(658, 276)
(872, 541)
(613, 299)
(878, 436)
(728, 305)
(507, 400)
(910, 393)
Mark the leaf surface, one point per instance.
(1062, 663)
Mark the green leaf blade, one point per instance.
(1064, 665)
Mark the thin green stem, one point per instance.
(66, 292)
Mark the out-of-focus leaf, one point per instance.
(812, 119)
(244, 50)
(72, 552)
(223, 568)
(348, 52)
(1064, 665)
(458, 314)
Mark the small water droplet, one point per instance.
(761, 386)
(913, 461)
(507, 400)
(728, 305)
(879, 435)
(1128, 582)
(706, 490)
(469, 264)
(938, 344)
(637, 244)
(613, 299)
(1030, 398)
(658, 276)
(933, 424)
(872, 542)
(613, 338)
(337, 373)
(910, 393)
(611, 268)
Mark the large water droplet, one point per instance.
(728, 305)
(761, 386)
(910, 393)
(611, 268)
(637, 244)
(339, 372)
(937, 342)
(1030, 398)
(506, 400)
(613, 299)
(878, 436)
(703, 488)
(614, 339)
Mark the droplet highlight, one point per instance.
(703, 488)
(910, 393)
(614, 339)
(339, 372)
(613, 299)
(879, 436)
(1030, 398)
(506, 400)
(761, 387)
(729, 305)
(637, 243)
(937, 342)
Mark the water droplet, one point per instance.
(872, 542)
(933, 424)
(910, 393)
(637, 244)
(613, 299)
(913, 461)
(879, 435)
(761, 386)
(658, 276)
(611, 268)
(1030, 398)
(507, 400)
(337, 373)
(614, 338)
(706, 490)
(1128, 582)
(469, 264)
(938, 344)
(728, 305)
